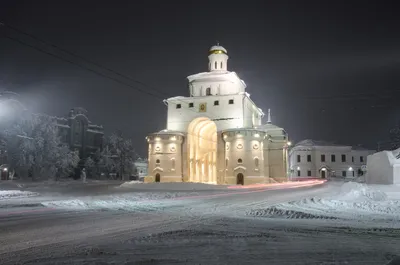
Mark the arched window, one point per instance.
(216, 65)
(221, 65)
(256, 162)
(173, 163)
(240, 161)
(208, 91)
(158, 161)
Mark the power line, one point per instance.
(82, 66)
(77, 56)
(89, 61)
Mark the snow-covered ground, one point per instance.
(11, 194)
(208, 227)
(355, 202)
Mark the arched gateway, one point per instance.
(202, 150)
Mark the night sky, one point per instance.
(327, 71)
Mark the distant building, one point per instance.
(79, 133)
(140, 168)
(310, 159)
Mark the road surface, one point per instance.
(210, 228)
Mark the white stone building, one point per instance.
(310, 159)
(216, 135)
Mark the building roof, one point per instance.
(310, 142)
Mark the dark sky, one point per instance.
(327, 71)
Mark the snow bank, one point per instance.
(354, 201)
(171, 186)
(128, 184)
(10, 194)
(136, 201)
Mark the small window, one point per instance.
(158, 161)
(240, 161)
(231, 101)
(343, 173)
(178, 106)
(333, 158)
(298, 173)
(308, 158)
(216, 103)
(361, 159)
(343, 158)
(298, 159)
(309, 173)
(352, 159)
(191, 105)
(322, 158)
(256, 162)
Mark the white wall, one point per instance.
(225, 115)
(227, 83)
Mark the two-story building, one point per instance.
(310, 159)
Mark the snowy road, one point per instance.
(203, 228)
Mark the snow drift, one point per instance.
(355, 201)
(10, 194)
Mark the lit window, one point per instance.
(191, 105)
(240, 161)
(231, 101)
(216, 103)
(178, 106)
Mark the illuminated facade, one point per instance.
(216, 134)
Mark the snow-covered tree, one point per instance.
(118, 155)
(394, 135)
(34, 144)
(90, 166)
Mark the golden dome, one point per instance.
(217, 50)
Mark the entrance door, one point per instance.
(158, 177)
(240, 179)
(323, 174)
